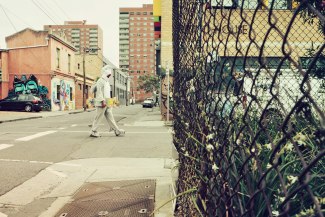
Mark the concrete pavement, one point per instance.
(62, 180)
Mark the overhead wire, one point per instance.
(43, 11)
(40, 7)
(49, 10)
(30, 50)
(55, 2)
(9, 19)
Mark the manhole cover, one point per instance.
(133, 198)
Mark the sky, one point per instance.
(16, 15)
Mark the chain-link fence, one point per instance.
(249, 106)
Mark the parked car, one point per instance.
(149, 102)
(26, 102)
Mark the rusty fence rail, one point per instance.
(249, 106)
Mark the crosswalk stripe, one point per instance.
(36, 162)
(37, 135)
(4, 146)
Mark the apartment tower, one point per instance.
(137, 46)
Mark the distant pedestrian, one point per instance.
(102, 104)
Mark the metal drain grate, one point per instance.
(133, 198)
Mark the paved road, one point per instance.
(43, 161)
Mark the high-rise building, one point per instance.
(137, 46)
(81, 35)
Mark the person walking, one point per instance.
(102, 90)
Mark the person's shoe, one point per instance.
(119, 132)
(94, 134)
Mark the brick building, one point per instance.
(4, 73)
(137, 46)
(46, 57)
(88, 40)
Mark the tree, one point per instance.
(148, 83)
(318, 69)
(311, 11)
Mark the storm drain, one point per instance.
(133, 198)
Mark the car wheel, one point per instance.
(28, 108)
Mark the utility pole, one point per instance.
(126, 87)
(84, 77)
(114, 77)
(85, 50)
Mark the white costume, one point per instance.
(103, 93)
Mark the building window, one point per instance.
(57, 58)
(79, 85)
(69, 63)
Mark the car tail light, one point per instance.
(35, 101)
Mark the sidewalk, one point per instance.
(62, 180)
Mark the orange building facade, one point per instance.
(49, 58)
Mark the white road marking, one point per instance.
(60, 174)
(3, 215)
(28, 138)
(4, 146)
(73, 125)
(62, 128)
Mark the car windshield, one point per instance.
(11, 98)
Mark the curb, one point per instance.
(20, 119)
(43, 116)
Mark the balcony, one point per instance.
(124, 42)
(124, 36)
(126, 26)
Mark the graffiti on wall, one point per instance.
(62, 97)
(24, 85)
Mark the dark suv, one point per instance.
(26, 102)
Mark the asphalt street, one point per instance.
(41, 158)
